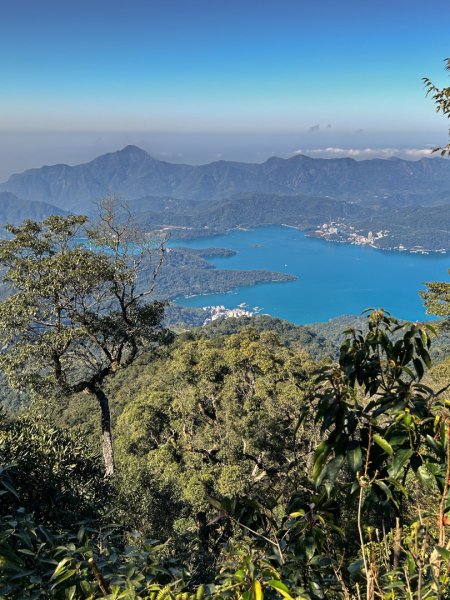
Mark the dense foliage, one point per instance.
(219, 419)
(187, 272)
(265, 474)
(56, 474)
(75, 315)
(437, 300)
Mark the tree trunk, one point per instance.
(107, 444)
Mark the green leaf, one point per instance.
(401, 458)
(384, 488)
(355, 458)
(383, 444)
(67, 575)
(26, 551)
(355, 567)
(280, 587)
(215, 503)
(60, 567)
(10, 488)
(240, 575)
(398, 486)
(298, 513)
(310, 547)
(434, 445)
(331, 470)
(425, 477)
(418, 367)
(70, 593)
(318, 467)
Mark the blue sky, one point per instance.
(174, 75)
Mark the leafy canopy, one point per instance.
(78, 309)
(73, 315)
(441, 97)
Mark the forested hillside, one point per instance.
(14, 210)
(227, 450)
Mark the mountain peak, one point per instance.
(131, 149)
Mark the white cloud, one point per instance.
(418, 152)
(361, 153)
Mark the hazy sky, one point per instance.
(197, 80)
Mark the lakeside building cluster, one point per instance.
(220, 312)
(339, 232)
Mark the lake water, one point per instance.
(333, 279)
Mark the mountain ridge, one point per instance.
(14, 210)
(132, 173)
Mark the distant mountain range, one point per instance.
(132, 173)
(411, 199)
(14, 210)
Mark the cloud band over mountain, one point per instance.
(332, 151)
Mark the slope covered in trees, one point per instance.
(266, 474)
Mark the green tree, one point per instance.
(441, 97)
(49, 553)
(78, 310)
(437, 296)
(217, 418)
(376, 524)
(437, 299)
(385, 456)
(57, 477)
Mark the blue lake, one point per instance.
(333, 279)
